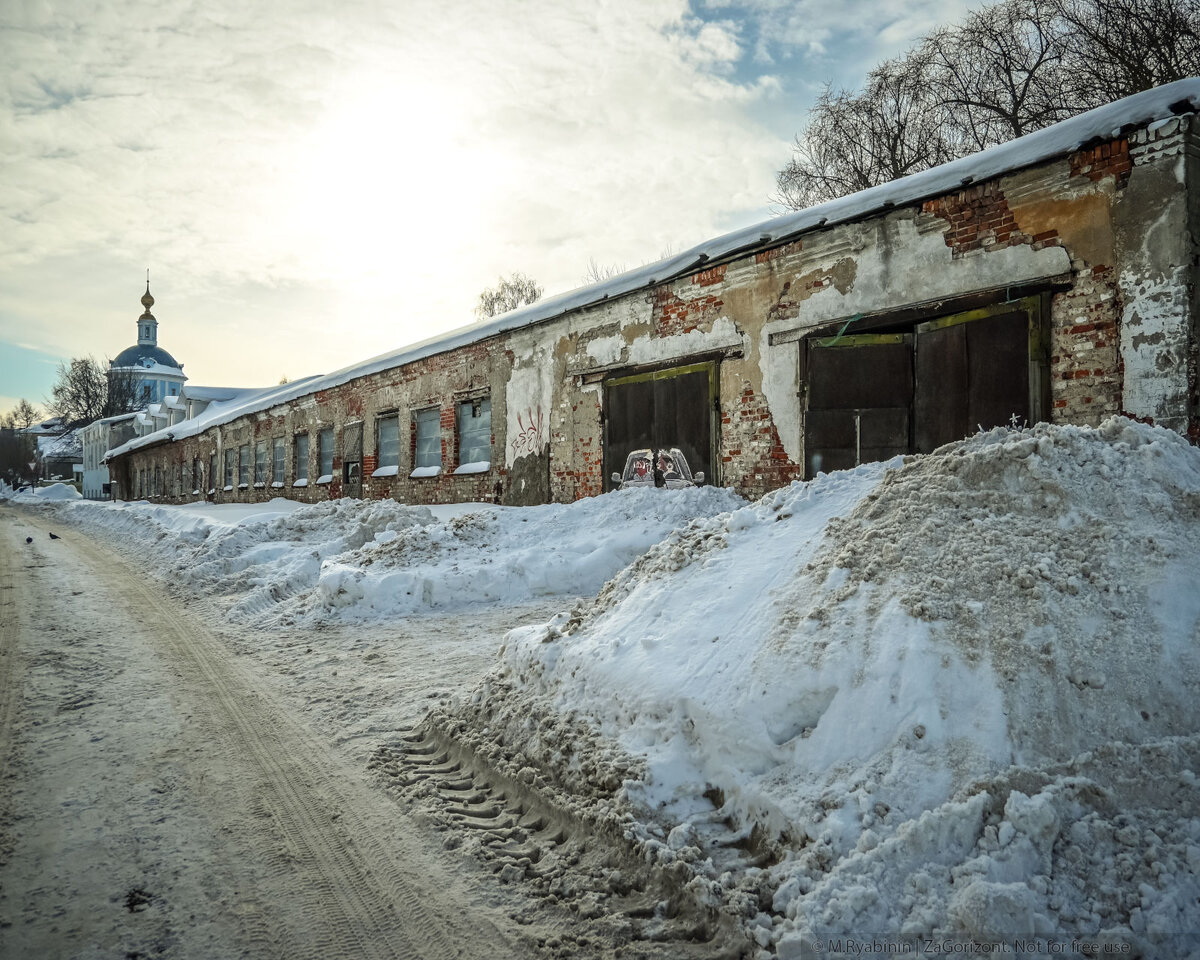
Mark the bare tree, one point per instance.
(85, 391)
(1116, 48)
(124, 393)
(999, 74)
(515, 290)
(18, 449)
(859, 140)
(599, 272)
(24, 415)
(1007, 70)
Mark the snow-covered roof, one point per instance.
(65, 447)
(210, 394)
(1103, 123)
(217, 412)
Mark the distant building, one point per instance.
(97, 438)
(158, 375)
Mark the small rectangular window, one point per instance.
(428, 440)
(260, 462)
(277, 460)
(229, 468)
(212, 472)
(300, 469)
(244, 465)
(475, 435)
(325, 450)
(389, 442)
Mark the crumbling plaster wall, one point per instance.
(1110, 230)
(1156, 252)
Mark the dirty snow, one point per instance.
(959, 692)
(952, 696)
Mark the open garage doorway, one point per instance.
(660, 427)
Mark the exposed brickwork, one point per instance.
(674, 315)
(752, 455)
(1105, 160)
(980, 219)
(1097, 206)
(709, 277)
(578, 470)
(1085, 359)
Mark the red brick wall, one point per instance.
(753, 460)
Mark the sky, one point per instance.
(313, 183)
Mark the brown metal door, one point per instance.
(860, 391)
(352, 445)
(972, 373)
(661, 411)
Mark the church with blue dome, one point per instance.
(158, 375)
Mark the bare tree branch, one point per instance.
(515, 290)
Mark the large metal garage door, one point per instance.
(971, 373)
(872, 396)
(860, 391)
(661, 411)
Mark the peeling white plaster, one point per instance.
(528, 399)
(779, 386)
(895, 268)
(724, 335)
(605, 350)
(1154, 347)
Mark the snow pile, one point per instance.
(54, 492)
(958, 694)
(285, 562)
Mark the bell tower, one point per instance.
(147, 325)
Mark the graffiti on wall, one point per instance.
(529, 433)
(666, 468)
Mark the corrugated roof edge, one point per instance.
(1103, 123)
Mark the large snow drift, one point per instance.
(283, 562)
(959, 691)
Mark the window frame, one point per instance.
(387, 464)
(429, 415)
(260, 463)
(468, 463)
(326, 433)
(243, 466)
(278, 466)
(300, 461)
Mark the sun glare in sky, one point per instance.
(313, 189)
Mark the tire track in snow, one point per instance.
(351, 895)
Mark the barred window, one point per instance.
(475, 433)
(277, 460)
(260, 462)
(229, 468)
(300, 470)
(244, 465)
(427, 431)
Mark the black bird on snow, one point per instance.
(55, 536)
(29, 539)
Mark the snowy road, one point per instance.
(160, 796)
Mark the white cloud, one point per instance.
(313, 182)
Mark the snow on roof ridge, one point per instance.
(1106, 122)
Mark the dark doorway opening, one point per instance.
(874, 395)
(352, 446)
(669, 414)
